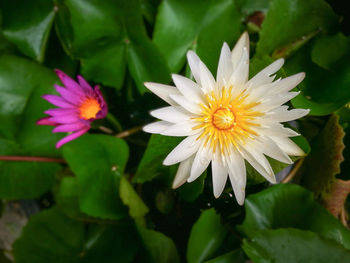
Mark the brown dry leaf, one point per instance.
(323, 164)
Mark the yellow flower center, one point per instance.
(89, 108)
(226, 120)
(223, 119)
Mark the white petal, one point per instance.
(182, 151)
(241, 72)
(259, 163)
(286, 84)
(225, 68)
(236, 165)
(272, 102)
(157, 127)
(188, 88)
(186, 104)
(181, 129)
(162, 91)
(193, 62)
(200, 163)
(172, 114)
(264, 76)
(183, 172)
(219, 174)
(207, 80)
(281, 114)
(280, 99)
(288, 146)
(237, 51)
(276, 129)
(238, 178)
(270, 148)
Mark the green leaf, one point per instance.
(207, 235)
(151, 164)
(291, 206)
(60, 239)
(27, 24)
(137, 207)
(67, 197)
(199, 25)
(235, 256)
(322, 95)
(110, 243)
(57, 239)
(289, 21)
(190, 191)
(293, 245)
(98, 162)
(248, 7)
(327, 50)
(22, 83)
(160, 248)
(107, 35)
(323, 163)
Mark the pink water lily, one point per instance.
(78, 106)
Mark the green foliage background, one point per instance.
(111, 200)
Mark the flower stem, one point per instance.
(31, 159)
(292, 173)
(128, 132)
(113, 120)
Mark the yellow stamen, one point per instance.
(226, 120)
(89, 108)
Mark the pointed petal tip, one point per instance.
(272, 179)
(176, 185)
(240, 202)
(217, 195)
(167, 162)
(190, 180)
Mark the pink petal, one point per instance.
(57, 101)
(104, 108)
(71, 137)
(68, 82)
(65, 119)
(84, 84)
(69, 95)
(72, 127)
(61, 112)
(46, 121)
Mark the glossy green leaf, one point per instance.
(207, 235)
(198, 25)
(290, 21)
(293, 245)
(137, 207)
(27, 24)
(291, 206)
(159, 247)
(57, 239)
(98, 162)
(22, 83)
(151, 164)
(107, 35)
(235, 256)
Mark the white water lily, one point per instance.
(229, 120)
